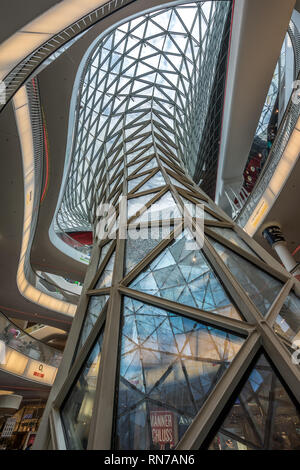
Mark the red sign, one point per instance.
(38, 374)
(162, 425)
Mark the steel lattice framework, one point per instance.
(172, 345)
(146, 86)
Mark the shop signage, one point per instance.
(41, 372)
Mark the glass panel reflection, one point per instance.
(134, 182)
(262, 417)
(287, 324)
(76, 411)
(95, 306)
(149, 166)
(106, 277)
(233, 237)
(261, 287)
(183, 275)
(169, 365)
(197, 210)
(104, 252)
(141, 241)
(155, 182)
(138, 203)
(176, 182)
(163, 209)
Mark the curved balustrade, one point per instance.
(23, 355)
(33, 160)
(284, 134)
(44, 282)
(243, 202)
(20, 74)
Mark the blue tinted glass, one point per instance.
(169, 364)
(261, 287)
(183, 275)
(263, 417)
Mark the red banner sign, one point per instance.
(162, 425)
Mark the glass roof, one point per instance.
(145, 86)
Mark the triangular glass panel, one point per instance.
(181, 42)
(133, 156)
(95, 307)
(165, 381)
(184, 275)
(136, 204)
(166, 165)
(134, 167)
(104, 251)
(261, 287)
(76, 411)
(162, 19)
(151, 165)
(233, 237)
(163, 209)
(155, 182)
(106, 276)
(287, 324)
(140, 241)
(153, 29)
(135, 181)
(139, 31)
(175, 24)
(263, 416)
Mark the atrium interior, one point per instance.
(150, 253)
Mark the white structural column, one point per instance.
(273, 234)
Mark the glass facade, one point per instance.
(183, 319)
(262, 417)
(95, 306)
(261, 288)
(169, 364)
(287, 324)
(77, 409)
(150, 77)
(183, 275)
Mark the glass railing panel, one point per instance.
(22, 354)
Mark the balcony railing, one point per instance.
(243, 202)
(20, 74)
(22, 354)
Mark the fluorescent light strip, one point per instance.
(277, 182)
(22, 115)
